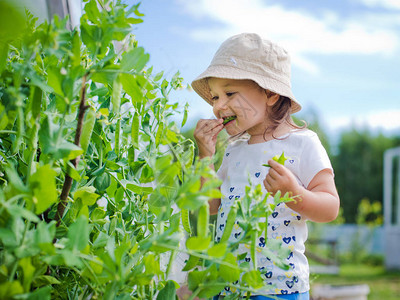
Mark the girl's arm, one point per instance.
(319, 202)
(205, 134)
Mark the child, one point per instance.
(248, 86)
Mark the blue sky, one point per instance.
(345, 53)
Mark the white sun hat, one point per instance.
(248, 56)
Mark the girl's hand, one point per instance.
(280, 178)
(205, 133)
(319, 202)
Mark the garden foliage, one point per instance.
(97, 183)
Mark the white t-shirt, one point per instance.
(306, 157)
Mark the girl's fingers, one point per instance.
(267, 185)
(277, 167)
(206, 126)
(273, 174)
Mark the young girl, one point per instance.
(248, 86)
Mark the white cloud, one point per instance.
(385, 119)
(389, 4)
(300, 32)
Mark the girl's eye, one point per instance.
(230, 94)
(215, 98)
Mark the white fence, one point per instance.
(391, 204)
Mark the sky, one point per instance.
(345, 54)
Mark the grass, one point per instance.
(383, 284)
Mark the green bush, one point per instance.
(97, 182)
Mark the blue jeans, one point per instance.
(301, 296)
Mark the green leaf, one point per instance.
(158, 76)
(10, 288)
(54, 80)
(130, 85)
(42, 280)
(92, 12)
(139, 189)
(191, 263)
(52, 143)
(253, 279)
(4, 117)
(102, 182)
(14, 179)
(12, 21)
(101, 240)
(135, 59)
(98, 215)
(43, 186)
(229, 273)
(20, 211)
(3, 56)
(78, 234)
(72, 172)
(197, 243)
(28, 269)
(195, 278)
(218, 250)
(87, 195)
(45, 233)
(168, 292)
(43, 293)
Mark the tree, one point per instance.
(359, 168)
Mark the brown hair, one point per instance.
(280, 113)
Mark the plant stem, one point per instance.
(170, 263)
(194, 294)
(117, 180)
(68, 180)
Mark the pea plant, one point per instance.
(97, 182)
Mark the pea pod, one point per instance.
(230, 222)
(116, 95)
(87, 129)
(253, 249)
(202, 220)
(135, 131)
(113, 225)
(280, 159)
(186, 221)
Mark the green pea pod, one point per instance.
(186, 221)
(116, 95)
(159, 133)
(280, 159)
(202, 220)
(87, 129)
(113, 225)
(253, 249)
(135, 131)
(230, 221)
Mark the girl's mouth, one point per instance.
(228, 119)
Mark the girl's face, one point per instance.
(244, 100)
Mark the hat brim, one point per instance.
(201, 87)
